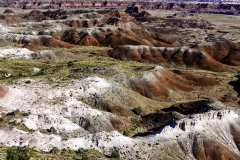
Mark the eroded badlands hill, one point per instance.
(108, 82)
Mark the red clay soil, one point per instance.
(88, 40)
(225, 52)
(121, 123)
(197, 79)
(3, 91)
(158, 83)
(110, 107)
(52, 42)
(235, 133)
(178, 55)
(71, 36)
(115, 37)
(31, 47)
(55, 35)
(207, 149)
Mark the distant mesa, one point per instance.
(225, 7)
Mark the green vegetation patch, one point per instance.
(20, 153)
(64, 69)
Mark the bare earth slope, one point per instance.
(120, 81)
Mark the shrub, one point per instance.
(115, 154)
(19, 153)
(28, 81)
(89, 154)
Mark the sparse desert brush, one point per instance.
(89, 154)
(115, 154)
(64, 68)
(20, 153)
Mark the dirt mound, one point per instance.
(8, 12)
(88, 40)
(53, 42)
(197, 79)
(190, 23)
(55, 35)
(31, 47)
(83, 38)
(118, 22)
(159, 83)
(71, 36)
(225, 52)
(35, 13)
(10, 18)
(3, 91)
(144, 16)
(79, 23)
(178, 55)
(121, 123)
(119, 14)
